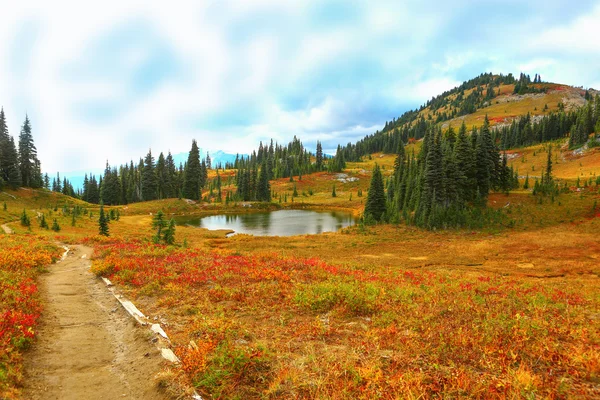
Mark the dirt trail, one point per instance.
(6, 229)
(88, 347)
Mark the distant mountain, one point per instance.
(216, 157)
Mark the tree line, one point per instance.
(148, 179)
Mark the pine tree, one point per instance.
(161, 174)
(29, 164)
(43, 222)
(193, 174)
(10, 172)
(463, 152)
(159, 223)
(264, 187)
(103, 222)
(25, 221)
(169, 234)
(55, 226)
(319, 157)
(149, 179)
(375, 206)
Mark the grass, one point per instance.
(264, 325)
(22, 258)
(377, 312)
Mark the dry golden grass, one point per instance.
(567, 164)
(384, 309)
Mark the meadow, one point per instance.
(22, 259)
(387, 311)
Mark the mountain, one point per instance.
(503, 98)
(217, 157)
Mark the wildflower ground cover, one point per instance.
(263, 325)
(22, 258)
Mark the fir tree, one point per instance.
(103, 222)
(169, 234)
(158, 223)
(264, 187)
(25, 221)
(55, 226)
(149, 179)
(10, 172)
(375, 206)
(319, 157)
(29, 164)
(193, 174)
(43, 222)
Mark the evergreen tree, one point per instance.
(55, 226)
(464, 156)
(319, 157)
(10, 172)
(375, 206)
(29, 164)
(102, 222)
(25, 221)
(149, 179)
(159, 223)
(193, 174)
(161, 174)
(264, 187)
(169, 234)
(43, 222)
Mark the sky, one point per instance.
(109, 80)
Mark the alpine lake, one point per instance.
(273, 223)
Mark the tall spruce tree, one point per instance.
(149, 178)
(264, 188)
(28, 161)
(103, 222)
(192, 174)
(319, 156)
(10, 172)
(375, 206)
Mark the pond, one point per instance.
(274, 223)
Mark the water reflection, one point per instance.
(275, 223)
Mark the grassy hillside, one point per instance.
(510, 310)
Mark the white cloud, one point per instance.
(396, 43)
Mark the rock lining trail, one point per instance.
(88, 347)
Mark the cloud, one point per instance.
(110, 80)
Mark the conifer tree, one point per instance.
(103, 222)
(264, 188)
(43, 222)
(193, 174)
(29, 164)
(169, 234)
(55, 226)
(375, 206)
(158, 223)
(25, 221)
(464, 156)
(161, 175)
(149, 179)
(10, 172)
(319, 156)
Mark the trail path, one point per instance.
(88, 347)
(6, 229)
